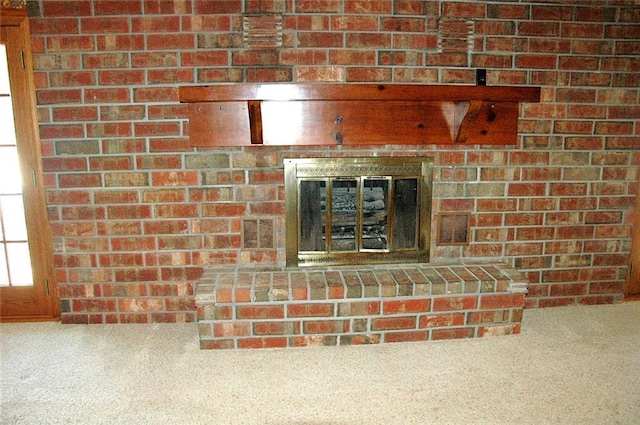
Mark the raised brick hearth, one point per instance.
(256, 307)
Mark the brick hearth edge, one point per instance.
(244, 306)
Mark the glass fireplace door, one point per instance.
(337, 212)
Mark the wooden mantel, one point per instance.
(353, 114)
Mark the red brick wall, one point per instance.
(135, 213)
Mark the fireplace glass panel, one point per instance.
(375, 195)
(344, 201)
(313, 194)
(406, 210)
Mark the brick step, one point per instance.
(254, 307)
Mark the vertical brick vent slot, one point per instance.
(455, 35)
(262, 31)
(252, 307)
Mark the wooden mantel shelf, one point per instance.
(353, 114)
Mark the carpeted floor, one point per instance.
(571, 365)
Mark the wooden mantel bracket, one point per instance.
(466, 113)
(255, 121)
(369, 114)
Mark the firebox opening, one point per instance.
(357, 210)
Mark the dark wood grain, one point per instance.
(255, 121)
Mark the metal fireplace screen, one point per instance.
(357, 210)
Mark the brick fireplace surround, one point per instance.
(137, 214)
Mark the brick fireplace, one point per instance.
(254, 304)
(137, 214)
(357, 230)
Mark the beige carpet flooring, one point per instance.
(570, 365)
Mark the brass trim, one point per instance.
(14, 4)
(327, 169)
